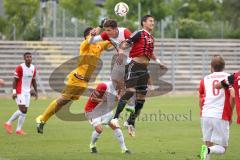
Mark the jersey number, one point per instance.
(214, 90)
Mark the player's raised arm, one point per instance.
(95, 37)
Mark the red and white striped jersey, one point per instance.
(25, 75)
(214, 103)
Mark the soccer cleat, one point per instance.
(20, 132)
(115, 122)
(8, 128)
(131, 130)
(93, 148)
(126, 151)
(40, 125)
(130, 108)
(204, 152)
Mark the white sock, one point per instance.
(95, 136)
(14, 117)
(21, 120)
(119, 135)
(217, 149)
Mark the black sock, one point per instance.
(120, 107)
(133, 116)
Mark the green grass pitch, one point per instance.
(156, 138)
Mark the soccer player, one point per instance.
(98, 110)
(24, 77)
(232, 81)
(136, 72)
(115, 35)
(216, 110)
(77, 79)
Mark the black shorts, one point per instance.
(136, 76)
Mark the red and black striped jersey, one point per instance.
(142, 44)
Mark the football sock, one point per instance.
(51, 110)
(21, 120)
(95, 136)
(14, 116)
(133, 116)
(119, 135)
(217, 149)
(120, 107)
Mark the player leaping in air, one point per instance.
(77, 79)
(115, 35)
(98, 111)
(136, 73)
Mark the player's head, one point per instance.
(217, 64)
(27, 58)
(111, 28)
(101, 88)
(87, 32)
(147, 22)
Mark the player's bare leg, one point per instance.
(53, 108)
(119, 135)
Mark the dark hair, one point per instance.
(87, 31)
(110, 23)
(217, 63)
(27, 53)
(144, 18)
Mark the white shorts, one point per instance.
(104, 119)
(118, 71)
(23, 99)
(215, 130)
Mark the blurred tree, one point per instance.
(82, 9)
(231, 12)
(19, 13)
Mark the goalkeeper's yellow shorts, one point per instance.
(74, 87)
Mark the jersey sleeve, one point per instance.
(18, 72)
(134, 37)
(104, 36)
(127, 33)
(201, 91)
(95, 39)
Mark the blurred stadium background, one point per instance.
(188, 33)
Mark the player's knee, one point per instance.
(23, 110)
(61, 101)
(99, 129)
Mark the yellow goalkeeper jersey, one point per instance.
(89, 56)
